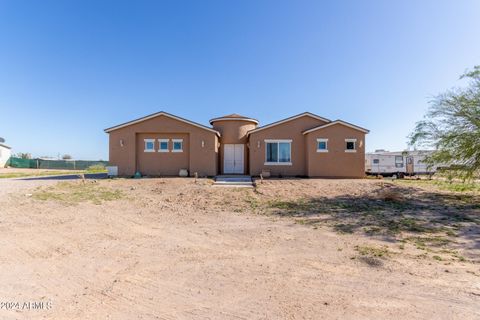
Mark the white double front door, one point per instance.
(233, 155)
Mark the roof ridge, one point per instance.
(306, 113)
(157, 114)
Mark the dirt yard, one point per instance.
(288, 249)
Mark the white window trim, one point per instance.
(326, 145)
(160, 145)
(145, 145)
(278, 163)
(354, 145)
(278, 140)
(173, 144)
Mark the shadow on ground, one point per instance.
(428, 218)
(89, 176)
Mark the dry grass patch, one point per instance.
(378, 252)
(77, 192)
(431, 221)
(373, 256)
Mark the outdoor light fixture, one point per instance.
(203, 144)
(258, 144)
(121, 142)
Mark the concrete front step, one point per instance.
(233, 181)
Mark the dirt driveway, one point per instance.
(290, 249)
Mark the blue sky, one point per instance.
(69, 69)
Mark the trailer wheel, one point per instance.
(401, 175)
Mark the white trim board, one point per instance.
(308, 114)
(158, 114)
(341, 122)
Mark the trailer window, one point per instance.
(398, 161)
(376, 161)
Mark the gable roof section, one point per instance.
(233, 116)
(308, 114)
(158, 114)
(5, 146)
(340, 122)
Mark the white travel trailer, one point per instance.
(397, 164)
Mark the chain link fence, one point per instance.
(54, 164)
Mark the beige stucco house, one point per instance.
(162, 144)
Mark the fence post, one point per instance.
(37, 163)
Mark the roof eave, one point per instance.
(341, 122)
(158, 114)
(309, 114)
(233, 119)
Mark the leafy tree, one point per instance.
(24, 155)
(452, 127)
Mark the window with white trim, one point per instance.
(177, 145)
(163, 145)
(149, 145)
(278, 152)
(399, 161)
(322, 145)
(350, 145)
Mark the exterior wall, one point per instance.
(289, 130)
(234, 132)
(5, 154)
(162, 163)
(130, 157)
(336, 163)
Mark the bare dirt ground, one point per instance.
(289, 249)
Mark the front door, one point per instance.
(410, 169)
(233, 158)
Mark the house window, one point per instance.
(278, 152)
(322, 145)
(163, 145)
(399, 161)
(149, 145)
(376, 161)
(350, 145)
(177, 145)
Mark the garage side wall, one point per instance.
(336, 163)
(197, 156)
